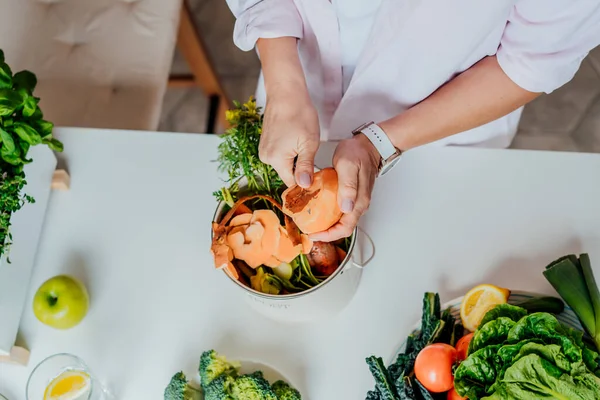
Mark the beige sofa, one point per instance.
(103, 63)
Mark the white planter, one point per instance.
(26, 227)
(320, 302)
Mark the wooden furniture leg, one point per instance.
(18, 355)
(203, 75)
(61, 180)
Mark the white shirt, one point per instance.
(355, 21)
(418, 45)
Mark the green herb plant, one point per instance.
(238, 155)
(21, 127)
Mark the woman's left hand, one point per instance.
(356, 162)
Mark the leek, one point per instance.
(573, 279)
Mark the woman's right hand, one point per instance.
(290, 133)
(291, 123)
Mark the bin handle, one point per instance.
(370, 258)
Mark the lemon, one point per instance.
(69, 385)
(478, 301)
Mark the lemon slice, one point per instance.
(69, 385)
(478, 301)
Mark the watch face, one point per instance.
(388, 166)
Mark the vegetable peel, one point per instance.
(314, 209)
(241, 219)
(257, 238)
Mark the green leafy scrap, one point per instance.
(238, 155)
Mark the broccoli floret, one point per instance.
(252, 387)
(219, 388)
(258, 374)
(213, 365)
(179, 389)
(283, 391)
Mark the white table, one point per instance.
(135, 228)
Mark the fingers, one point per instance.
(348, 182)
(305, 163)
(348, 222)
(284, 165)
(282, 161)
(342, 229)
(280, 152)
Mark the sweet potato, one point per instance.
(314, 209)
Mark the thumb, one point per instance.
(305, 165)
(347, 185)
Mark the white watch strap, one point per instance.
(380, 140)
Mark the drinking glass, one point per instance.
(56, 365)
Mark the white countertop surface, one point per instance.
(135, 226)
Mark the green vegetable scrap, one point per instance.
(238, 155)
(265, 282)
(21, 127)
(398, 381)
(574, 280)
(515, 355)
(275, 280)
(180, 389)
(220, 380)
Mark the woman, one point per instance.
(455, 72)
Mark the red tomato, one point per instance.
(433, 367)
(463, 346)
(452, 395)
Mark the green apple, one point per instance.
(61, 302)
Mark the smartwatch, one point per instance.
(390, 155)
